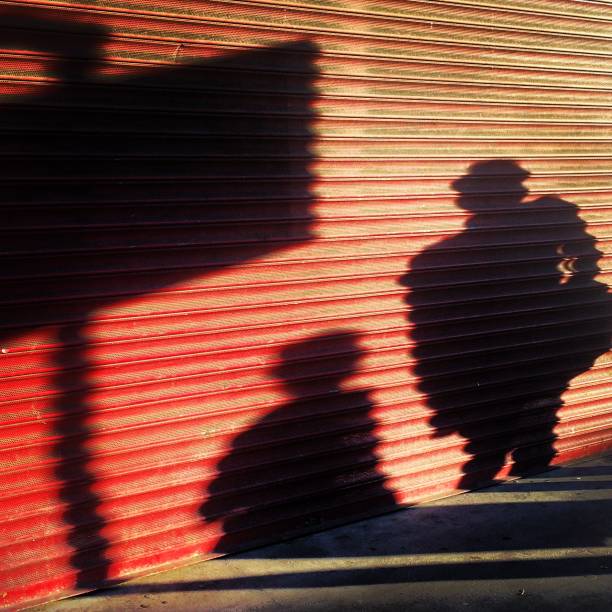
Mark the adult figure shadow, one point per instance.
(502, 317)
(121, 187)
(300, 466)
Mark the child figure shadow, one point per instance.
(296, 468)
(504, 315)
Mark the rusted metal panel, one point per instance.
(268, 267)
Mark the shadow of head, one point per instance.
(502, 177)
(334, 356)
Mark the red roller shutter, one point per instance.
(271, 266)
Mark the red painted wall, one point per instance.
(268, 267)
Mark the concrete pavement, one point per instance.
(541, 543)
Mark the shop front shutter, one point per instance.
(273, 266)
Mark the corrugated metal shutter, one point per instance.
(268, 266)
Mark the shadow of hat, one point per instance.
(498, 168)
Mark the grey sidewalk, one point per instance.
(540, 543)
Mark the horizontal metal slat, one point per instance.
(206, 76)
(557, 15)
(425, 25)
(261, 266)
